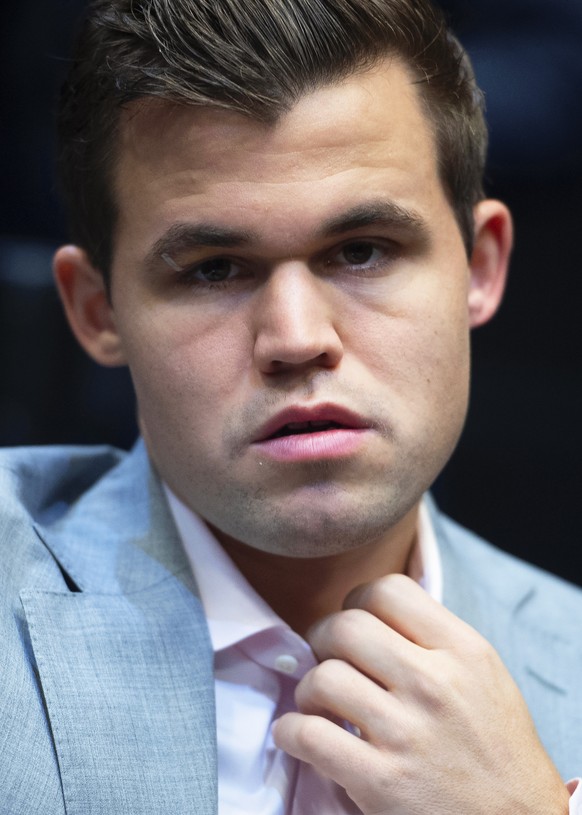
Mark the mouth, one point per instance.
(312, 433)
(300, 421)
(300, 428)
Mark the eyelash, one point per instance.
(388, 252)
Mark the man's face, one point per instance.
(292, 303)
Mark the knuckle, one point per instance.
(322, 681)
(338, 634)
(383, 592)
(479, 652)
(347, 625)
(441, 684)
(434, 689)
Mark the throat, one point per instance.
(303, 590)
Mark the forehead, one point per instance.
(367, 134)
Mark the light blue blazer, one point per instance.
(106, 680)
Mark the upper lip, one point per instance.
(313, 413)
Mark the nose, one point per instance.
(294, 322)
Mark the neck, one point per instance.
(303, 590)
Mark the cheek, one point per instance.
(441, 388)
(422, 332)
(417, 352)
(185, 367)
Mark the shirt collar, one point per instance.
(425, 565)
(233, 608)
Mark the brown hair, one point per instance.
(256, 57)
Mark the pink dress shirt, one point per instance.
(258, 662)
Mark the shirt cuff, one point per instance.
(575, 790)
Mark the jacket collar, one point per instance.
(119, 536)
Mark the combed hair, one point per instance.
(256, 57)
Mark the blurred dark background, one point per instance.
(515, 477)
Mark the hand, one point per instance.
(444, 729)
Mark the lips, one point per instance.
(293, 428)
(295, 421)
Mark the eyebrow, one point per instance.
(377, 213)
(386, 214)
(182, 236)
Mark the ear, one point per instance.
(86, 303)
(489, 260)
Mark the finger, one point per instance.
(337, 691)
(403, 605)
(334, 752)
(358, 637)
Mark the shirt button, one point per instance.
(286, 663)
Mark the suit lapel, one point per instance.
(130, 701)
(126, 663)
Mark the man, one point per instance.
(280, 228)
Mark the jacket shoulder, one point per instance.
(503, 578)
(42, 482)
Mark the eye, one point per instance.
(215, 270)
(359, 253)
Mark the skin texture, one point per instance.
(443, 727)
(297, 324)
(300, 310)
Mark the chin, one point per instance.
(320, 533)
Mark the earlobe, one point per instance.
(489, 260)
(89, 312)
